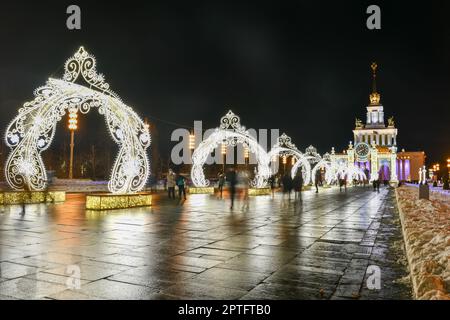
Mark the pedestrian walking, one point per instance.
(287, 184)
(221, 182)
(232, 180)
(272, 182)
(171, 184)
(343, 182)
(317, 180)
(181, 181)
(298, 185)
(245, 181)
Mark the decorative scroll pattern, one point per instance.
(33, 130)
(312, 155)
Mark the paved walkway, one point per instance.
(319, 248)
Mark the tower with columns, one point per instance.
(381, 139)
(375, 130)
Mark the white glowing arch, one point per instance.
(330, 167)
(351, 172)
(32, 131)
(285, 147)
(229, 133)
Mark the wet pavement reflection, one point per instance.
(318, 247)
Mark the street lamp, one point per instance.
(224, 153)
(448, 167)
(246, 155)
(192, 141)
(446, 185)
(72, 127)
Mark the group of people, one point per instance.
(178, 180)
(295, 184)
(233, 177)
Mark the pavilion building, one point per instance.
(374, 146)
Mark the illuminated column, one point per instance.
(394, 178)
(350, 160)
(224, 155)
(373, 163)
(246, 155)
(72, 127)
(407, 170)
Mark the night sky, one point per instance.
(299, 66)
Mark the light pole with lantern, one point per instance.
(72, 127)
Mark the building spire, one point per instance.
(374, 96)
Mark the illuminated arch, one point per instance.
(330, 168)
(230, 133)
(285, 147)
(351, 172)
(33, 130)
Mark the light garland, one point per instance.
(33, 130)
(230, 133)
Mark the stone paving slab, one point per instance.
(317, 248)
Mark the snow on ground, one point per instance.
(426, 229)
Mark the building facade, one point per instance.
(374, 146)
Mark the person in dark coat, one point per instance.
(298, 185)
(232, 180)
(272, 183)
(180, 181)
(318, 179)
(287, 184)
(221, 182)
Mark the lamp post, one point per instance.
(191, 145)
(224, 153)
(72, 127)
(448, 167)
(246, 156)
(446, 185)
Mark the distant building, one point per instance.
(408, 165)
(375, 145)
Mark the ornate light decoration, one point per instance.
(331, 168)
(73, 119)
(284, 147)
(32, 131)
(351, 172)
(229, 133)
(312, 155)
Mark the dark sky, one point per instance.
(300, 66)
